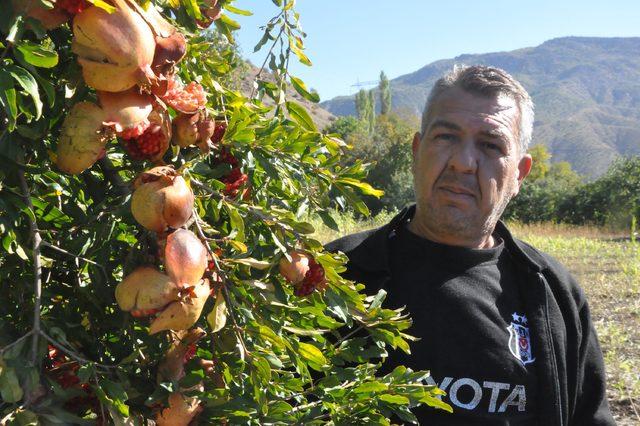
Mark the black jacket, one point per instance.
(571, 377)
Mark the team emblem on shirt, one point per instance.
(519, 340)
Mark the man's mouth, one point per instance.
(457, 190)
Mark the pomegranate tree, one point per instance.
(155, 262)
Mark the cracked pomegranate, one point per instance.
(161, 199)
(313, 280)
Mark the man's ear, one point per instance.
(416, 144)
(524, 167)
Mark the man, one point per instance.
(505, 330)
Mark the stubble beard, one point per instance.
(469, 225)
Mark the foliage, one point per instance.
(613, 199)
(384, 89)
(388, 149)
(366, 108)
(540, 166)
(70, 355)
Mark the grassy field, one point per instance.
(607, 265)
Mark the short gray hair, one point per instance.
(486, 81)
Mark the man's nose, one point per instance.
(464, 158)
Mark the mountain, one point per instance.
(586, 92)
(321, 117)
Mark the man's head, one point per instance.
(470, 157)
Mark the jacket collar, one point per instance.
(373, 253)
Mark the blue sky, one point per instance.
(353, 40)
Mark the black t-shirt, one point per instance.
(468, 312)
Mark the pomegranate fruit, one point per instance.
(145, 290)
(314, 279)
(182, 349)
(193, 129)
(49, 18)
(161, 199)
(187, 99)
(233, 181)
(127, 112)
(115, 50)
(180, 412)
(154, 140)
(185, 257)
(184, 312)
(294, 271)
(171, 45)
(72, 7)
(82, 139)
(218, 132)
(211, 11)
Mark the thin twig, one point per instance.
(253, 89)
(73, 354)
(37, 267)
(10, 345)
(225, 279)
(63, 251)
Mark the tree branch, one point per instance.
(37, 267)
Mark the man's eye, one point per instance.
(445, 136)
(492, 146)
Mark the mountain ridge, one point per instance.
(586, 91)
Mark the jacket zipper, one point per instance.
(554, 362)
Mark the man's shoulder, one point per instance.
(349, 242)
(557, 274)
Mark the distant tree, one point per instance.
(371, 110)
(345, 126)
(361, 104)
(540, 166)
(385, 94)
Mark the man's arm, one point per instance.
(591, 406)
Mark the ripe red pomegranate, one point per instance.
(219, 131)
(154, 140)
(115, 50)
(83, 138)
(72, 7)
(193, 129)
(127, 112)
(294, 271)
(314, 279)
(185, 257)
(161, 199)
(211, 11)
(233, 181)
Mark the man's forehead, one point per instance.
(491, 113)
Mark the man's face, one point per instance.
(467, 166)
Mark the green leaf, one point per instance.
(371, 387)
(103, 5)
(363, 186)
(237, 224)
(394, 399)
(300, 115)
(432, 401)
(311, 354)
(10, 389)
(238, 11)
(28, 83)
(217, 318)
(254, 263)
(301, 56)
(37, 55)
(301, 88)
(191, 6)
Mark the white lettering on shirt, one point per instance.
(516, 398)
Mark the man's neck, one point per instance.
(481, 242)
